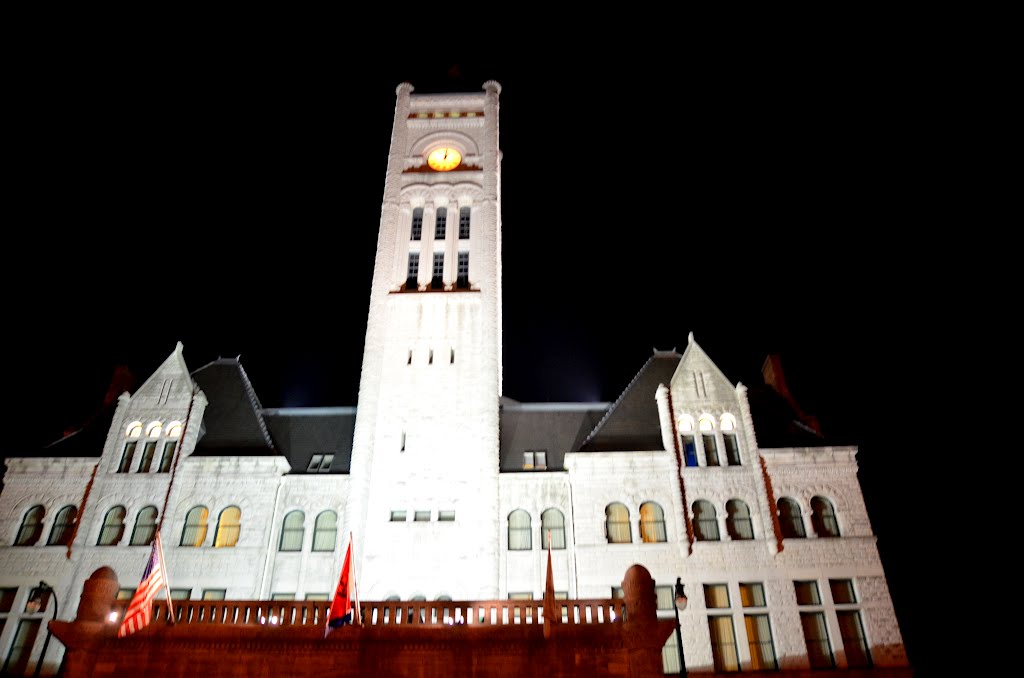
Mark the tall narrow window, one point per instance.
(732, 449)
(21, 648)
(759, 641)
(228, 527)
(325, 531)
(194, 533)
(414, 271)
(148, 450)
(705, 521)
(60, 534)
(553, 522)
(440, 223)
(417, 223)
(689, 451)
(167, 457)
(462, 282)
(616, 524)
(737, 520)
(652, 523)
(126, 457)
(113, 527)
(519, 531)
(791, 519)
(819, 650)
(823, 518)
(31, 527)
(437, 278)
(710, 449)
(292, 530)
(145, 527)
(723, 643)
(851, 630)
(463, 223)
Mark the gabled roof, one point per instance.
(301, 432)
(632, 422)
(232, 423)
(555, 428)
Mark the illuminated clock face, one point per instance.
(444, 159)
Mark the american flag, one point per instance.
(140, 610)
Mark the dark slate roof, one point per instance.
(232, 423)
(556, 428)
(301, 432)
(632, 422)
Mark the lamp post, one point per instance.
(680, 605)
(43, 589)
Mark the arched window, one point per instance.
(391, 599)
(194, 533)
(706, 422)
(325, 531)
(440, 223)
(145, 527)
(737, 520)
(134, 429)
(292, 531)
(174, 429)
(228, 527)
(616, 524)
(113, 527)
(417, 224)
(60, 534)
(705, 521)
(552, 521)
(728, 422)
(154, 429)
(823, 518)
(519, 531)
(444, 598)
(31, 527)
(652, 523)
(791, 519)
(685, 423)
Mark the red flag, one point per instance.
(345, 605)
(140, 609)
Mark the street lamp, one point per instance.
(680, 605)
(39, 600)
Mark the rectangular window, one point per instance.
(167, 458)
(318, 596)
(148, 451)
(617, 592)
(125, 594)
(540, 459)
(723, 643)
(716, 595)
(752, 595)
(463, 223)
(665, 596)
(437, 279)
(325, 465)
(854, 643)
(710, 449)
(842, 591)
(819, 651)
(527, 461)
(214, 594)
(462, 281)
(282, 596)
(446, 516)
(414, 271)
(421, 516)
(398, 516)
(670, 656)
(440, 223)
(314, 463)
(417, 223)
(21, 648)
(689, 451)
(759, 640)
(520, 596)
(732, 449)
(807, 593)
(181, 594)
(7, 598)
(126, 458)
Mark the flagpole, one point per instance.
(167, 576)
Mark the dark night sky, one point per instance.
(232, 202)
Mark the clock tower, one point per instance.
(423, 506)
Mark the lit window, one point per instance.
(706, 422)
(524, 595)
(145, 527)
(282, 596)
(464, 223)
(413, 272)
(462, 281)
(174, 429)
(689, 451)
(292, 531)
(126, 457)
(519, 531)
(194, 533)
(134, 429)
(705, 521)
(325, 531)
(228, 527)
(318, 596)
(535, 460)
(728, 422)
(527, 461)
(665, 595)
(398, 516)
(685, 423)
(440, 223)
(60, 534)
(446, 516)
(421, 516)
(148, 450)
(552, 522)
(752, 595)
(723, 643)
(807, 593)
(823, 518)
(652, 523)
(113, 527)
(759, 642)
(791, 519)
(125, 594)
(417, 223)
(616, 524)
(737, 520)
(181, 594)
(154, 429)
(716, 596)
(214, 594)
